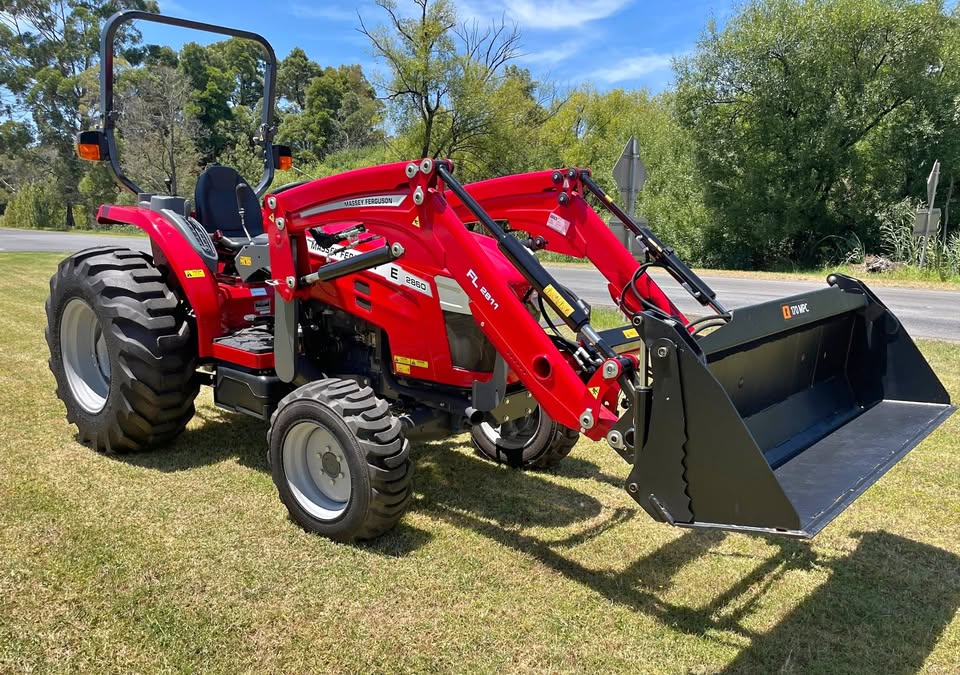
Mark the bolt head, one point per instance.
(662, 352)
(426, 166)
(506, 418)
(633, 488)
(418, 196)
(611, 369)
(291, 283)
(272, 202)
(281, 223)
(411, 170)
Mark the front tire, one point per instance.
(121, 350)
(531, 442)
(339, 460)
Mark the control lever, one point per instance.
(325, 240)
(240, 189)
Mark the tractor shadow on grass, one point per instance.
(220, 436)
(882, 608)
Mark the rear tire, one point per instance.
(531, 442)
(339, 460)
(121, 350)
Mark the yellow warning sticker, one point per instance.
(402, 368)
(631, 333)
(416, 222)
(246, 260)
(194, 274)
(558, 300)
(594, 391)
(407, 361)
(271, 218)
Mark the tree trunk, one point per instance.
(427, 132)
(173, 161)
(70, 223)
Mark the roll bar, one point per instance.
(108, 115)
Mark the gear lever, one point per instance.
(241, 188)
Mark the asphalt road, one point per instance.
(925, 313)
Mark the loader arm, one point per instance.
(774, 422)
(411, 208)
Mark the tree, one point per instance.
(340, 111)
(440, 74)
(47, 51)
(160, 138)
(294, 75)
(788, 106)
(591, 129)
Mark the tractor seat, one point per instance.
(216, 200)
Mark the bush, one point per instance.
(36, 206)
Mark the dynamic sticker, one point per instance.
(356, 203)
(194, 274)
(793, 311)
(389, 271)
(407, 361)
(474, 279)
(558, 300)
(558, 224)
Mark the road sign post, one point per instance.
(932, 180)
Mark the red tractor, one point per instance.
(365, 310)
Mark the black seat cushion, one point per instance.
(216, 198)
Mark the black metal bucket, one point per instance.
(779, 420)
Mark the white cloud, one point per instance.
(554, 54)
(533, 15)
(326, 12)
(633, 68)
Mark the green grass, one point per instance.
(112, 230)
(183, 559)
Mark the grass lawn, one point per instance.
(183, 559)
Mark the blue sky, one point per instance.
(610, 43)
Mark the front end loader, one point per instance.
(358, 312)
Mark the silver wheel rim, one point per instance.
(86, 360)
(515, 434)
(317, 471)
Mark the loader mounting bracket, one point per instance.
(658, 481)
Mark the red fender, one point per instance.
(199, 285)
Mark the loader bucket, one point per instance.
(780, 419)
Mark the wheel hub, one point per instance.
(86, 361)
(316, 469)
(331, 465)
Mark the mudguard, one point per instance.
(173, 251)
